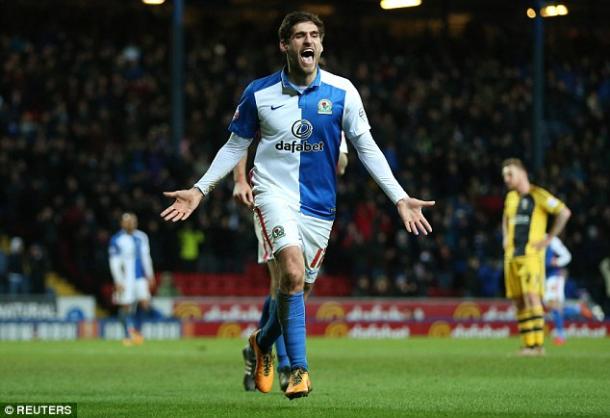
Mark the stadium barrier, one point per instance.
(28, 330)
(171, 329)
(42, 319)
(47, 307)
(342, 309)
(365, 318)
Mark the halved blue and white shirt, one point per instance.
(129, 256)
(300, 135)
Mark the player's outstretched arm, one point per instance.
(186, 202)
(225, 160)
(409, 208)
(410, 211)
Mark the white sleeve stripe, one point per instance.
(343, 146)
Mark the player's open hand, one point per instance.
(242, 193)
(186, 202)
(410, 211)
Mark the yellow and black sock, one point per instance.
(526, 327)
(537, 318)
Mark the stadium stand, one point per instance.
(84, 135)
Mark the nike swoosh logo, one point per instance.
(277, 107)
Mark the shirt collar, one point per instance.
(286, 83)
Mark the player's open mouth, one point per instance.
(307, 56)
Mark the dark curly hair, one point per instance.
(291, 19)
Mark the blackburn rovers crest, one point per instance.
(325, 107)
(277, 232)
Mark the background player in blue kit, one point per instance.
(132, 271)
(557, 258)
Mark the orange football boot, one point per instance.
(137, 338)
(299, 384)
(263, 372)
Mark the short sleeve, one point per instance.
(506, 204)
(245, 119)
(354, 122)
(550, 203)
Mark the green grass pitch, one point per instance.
(373, 378)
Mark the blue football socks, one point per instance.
(571, 311)
(126, 319)
(557, 316)
(141, 316)
(280, 346)
(291, 309)
(272, 329)
(282, 356)
(265, 313)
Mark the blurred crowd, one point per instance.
(22, 270)
(84, 135)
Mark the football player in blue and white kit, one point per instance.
(300, 112)
(132, 271)
(557, 258)
(242, 193)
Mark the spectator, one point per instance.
(37, 267)
(18, 283)
(190, 243)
